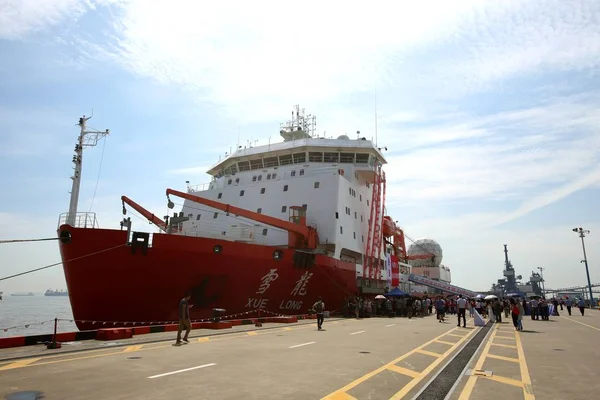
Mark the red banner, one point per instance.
(395, 271)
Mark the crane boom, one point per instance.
(147, 214)
(299, 234)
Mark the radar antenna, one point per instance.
(301, 126)
(87, 138)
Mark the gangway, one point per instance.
(446, 287)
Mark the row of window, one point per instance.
(353, 234)
(316, 185)
(348, 212)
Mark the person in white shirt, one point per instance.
(461, 303)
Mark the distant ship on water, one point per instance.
(51, 292)
(23, 294)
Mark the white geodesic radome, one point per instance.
(425, 246)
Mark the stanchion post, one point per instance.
(258, 323)
(54, 344)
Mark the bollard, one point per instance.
(54, 344)
(258, 323)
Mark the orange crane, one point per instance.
(147, 214)
(300, 236)
(390, 229)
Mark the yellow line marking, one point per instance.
(363, 378)
(508, 346)
(505, 380)
(504, 337)
(150, 346)
(581, 323)
(404, 371)
(429, 353)
(410, 385)
(525, 377)
(20, 363)
(468, 389)
(287, 329)
(452, 334)
(444, 342)
(497, 357)
(203, 339)
(342, 396)
(251, 333)
(129, 349)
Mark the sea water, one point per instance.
(34, 315)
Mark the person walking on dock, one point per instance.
(568, 303)
(184, 319)
(461, 303)
(581, 305)
(319, 308)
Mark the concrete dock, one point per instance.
(376, 358)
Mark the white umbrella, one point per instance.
(490, 297)
(380, 296)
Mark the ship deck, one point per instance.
(376, 358)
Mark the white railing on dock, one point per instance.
(81, 220)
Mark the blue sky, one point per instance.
(490, 112)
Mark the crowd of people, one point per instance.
(492, 307)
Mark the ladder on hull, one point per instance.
(372, 265)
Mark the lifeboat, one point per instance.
(389, 227)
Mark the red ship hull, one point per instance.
(111, 281)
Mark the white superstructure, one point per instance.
(331, 178)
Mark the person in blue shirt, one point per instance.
(568, 303)
(581, 305)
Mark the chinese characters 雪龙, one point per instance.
(300, 288)
(267, 280)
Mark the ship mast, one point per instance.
(87, 138)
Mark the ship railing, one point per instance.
(79, 220)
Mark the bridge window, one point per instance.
(244, 165)
(283, 208)
(331, 157)
(315, 157)
(229, 182)
(268, 176)
(347, 158)
(299, 158)
(241, 193)
(316, 185)
(285, 159)
(256, 164)
(263, 190)
(254, 178)
(237, 180)
(198, 217)
(362, 158)
(301, 172)
(274, 175)
(216, 215)
(293, 173)
(285, 188)
(219, 195)
(270, 162)
(260, 177)
(264, 232)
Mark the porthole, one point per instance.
(277, 254)
(217, 249)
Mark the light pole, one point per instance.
(543, 281)
(582, 233)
